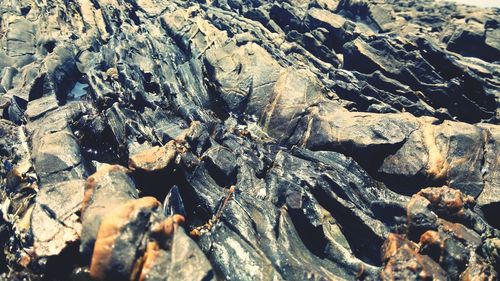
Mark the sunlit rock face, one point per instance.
(249, 140)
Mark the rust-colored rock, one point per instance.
(108, 188)
(479, 271)
(393, 243)
(154, 159)
(404, 263)
(447, 202)
(118, 242)
(155, 260)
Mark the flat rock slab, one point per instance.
(55, 222)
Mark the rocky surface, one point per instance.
(249, 140)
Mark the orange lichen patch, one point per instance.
(437, 166)
(109, 231)
(407, 264)
(152, 253)
(445, 199)
(430, 237)
(168, 225)
(393, 243)
(155, 158)
(94, 179)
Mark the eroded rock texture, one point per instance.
(249, 140)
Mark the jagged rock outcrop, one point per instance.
(249, 140)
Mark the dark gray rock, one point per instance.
(57, 157)
(289, 139)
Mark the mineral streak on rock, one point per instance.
(287, 140)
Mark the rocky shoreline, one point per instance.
(249, 140)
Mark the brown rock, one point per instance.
(154, 159)
(393, 243)
(404, 263)
(108, 188)
(447, 202)
(479, 271)
(118, 243)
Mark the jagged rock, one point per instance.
(105, 190)
(430, 203)
(57, 157)
(290, 139)
(472, 41)
(420, 217)
(405, 263)
(183, 261)
(120, 240)
(452, 247)
(488, 200)
(188, 261)
(479, 271)
(154, 159)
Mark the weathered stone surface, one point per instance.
(154, 159)
(57, 157)
(105, 190)
(407, 264)
(54, 220)
(188, 261)
(119, 241)
(290, 139)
